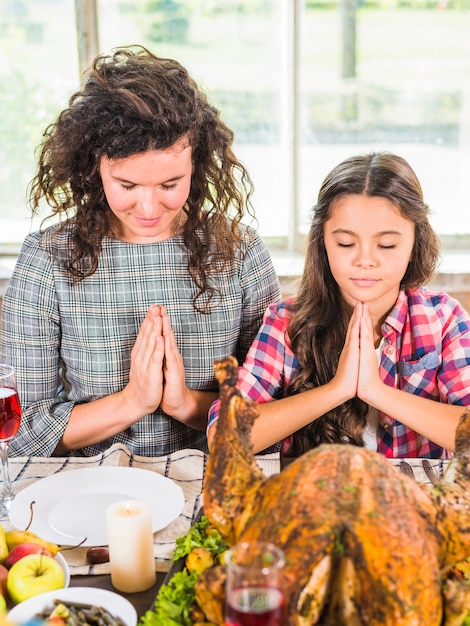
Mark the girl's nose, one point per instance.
(365, 257)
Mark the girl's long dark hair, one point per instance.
(320, 318)
(133, 101)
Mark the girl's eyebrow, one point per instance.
(345, 231)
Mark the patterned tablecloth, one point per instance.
(185, 468)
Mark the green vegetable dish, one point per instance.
(199, 548)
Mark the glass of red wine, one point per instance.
(254, 594)
(10, 419)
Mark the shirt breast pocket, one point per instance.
(419, 376)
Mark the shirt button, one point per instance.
(390, 350)
(387, 427)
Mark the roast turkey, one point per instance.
(364, 543)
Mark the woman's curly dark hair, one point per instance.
(133, 101)
(317, 329)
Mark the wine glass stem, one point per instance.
(7, 493)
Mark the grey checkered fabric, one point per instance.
(72, 343)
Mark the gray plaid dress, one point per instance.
(72, 343)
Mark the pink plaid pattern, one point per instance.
(426, 352)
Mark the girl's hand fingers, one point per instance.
(369, 379)
(346, 376)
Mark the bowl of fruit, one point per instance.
(29, 566)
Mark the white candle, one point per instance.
(130, 540)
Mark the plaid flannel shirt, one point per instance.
(72, 344)
(426, 352)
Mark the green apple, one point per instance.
(3, 606)
(32, 575)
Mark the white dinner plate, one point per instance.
(118, 606)
(69, 508)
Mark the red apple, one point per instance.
(3, 581)
(23, 549)
(32, 575)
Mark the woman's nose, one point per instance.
(148, 201)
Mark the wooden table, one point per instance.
(142, 601)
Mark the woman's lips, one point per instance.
(146, 222)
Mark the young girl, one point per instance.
(364, 354)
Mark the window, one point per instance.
(39, 71)
(304, 84)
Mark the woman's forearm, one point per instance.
(95, 421)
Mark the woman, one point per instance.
(365, 354)
(113, 317)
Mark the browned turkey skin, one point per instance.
(364, 544)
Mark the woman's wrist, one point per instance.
(194, 408)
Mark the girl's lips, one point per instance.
(365, 282)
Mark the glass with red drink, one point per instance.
(254, 594)
(10, 419)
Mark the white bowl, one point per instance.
(65, 566)
(112, 602)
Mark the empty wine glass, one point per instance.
(10, 419)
